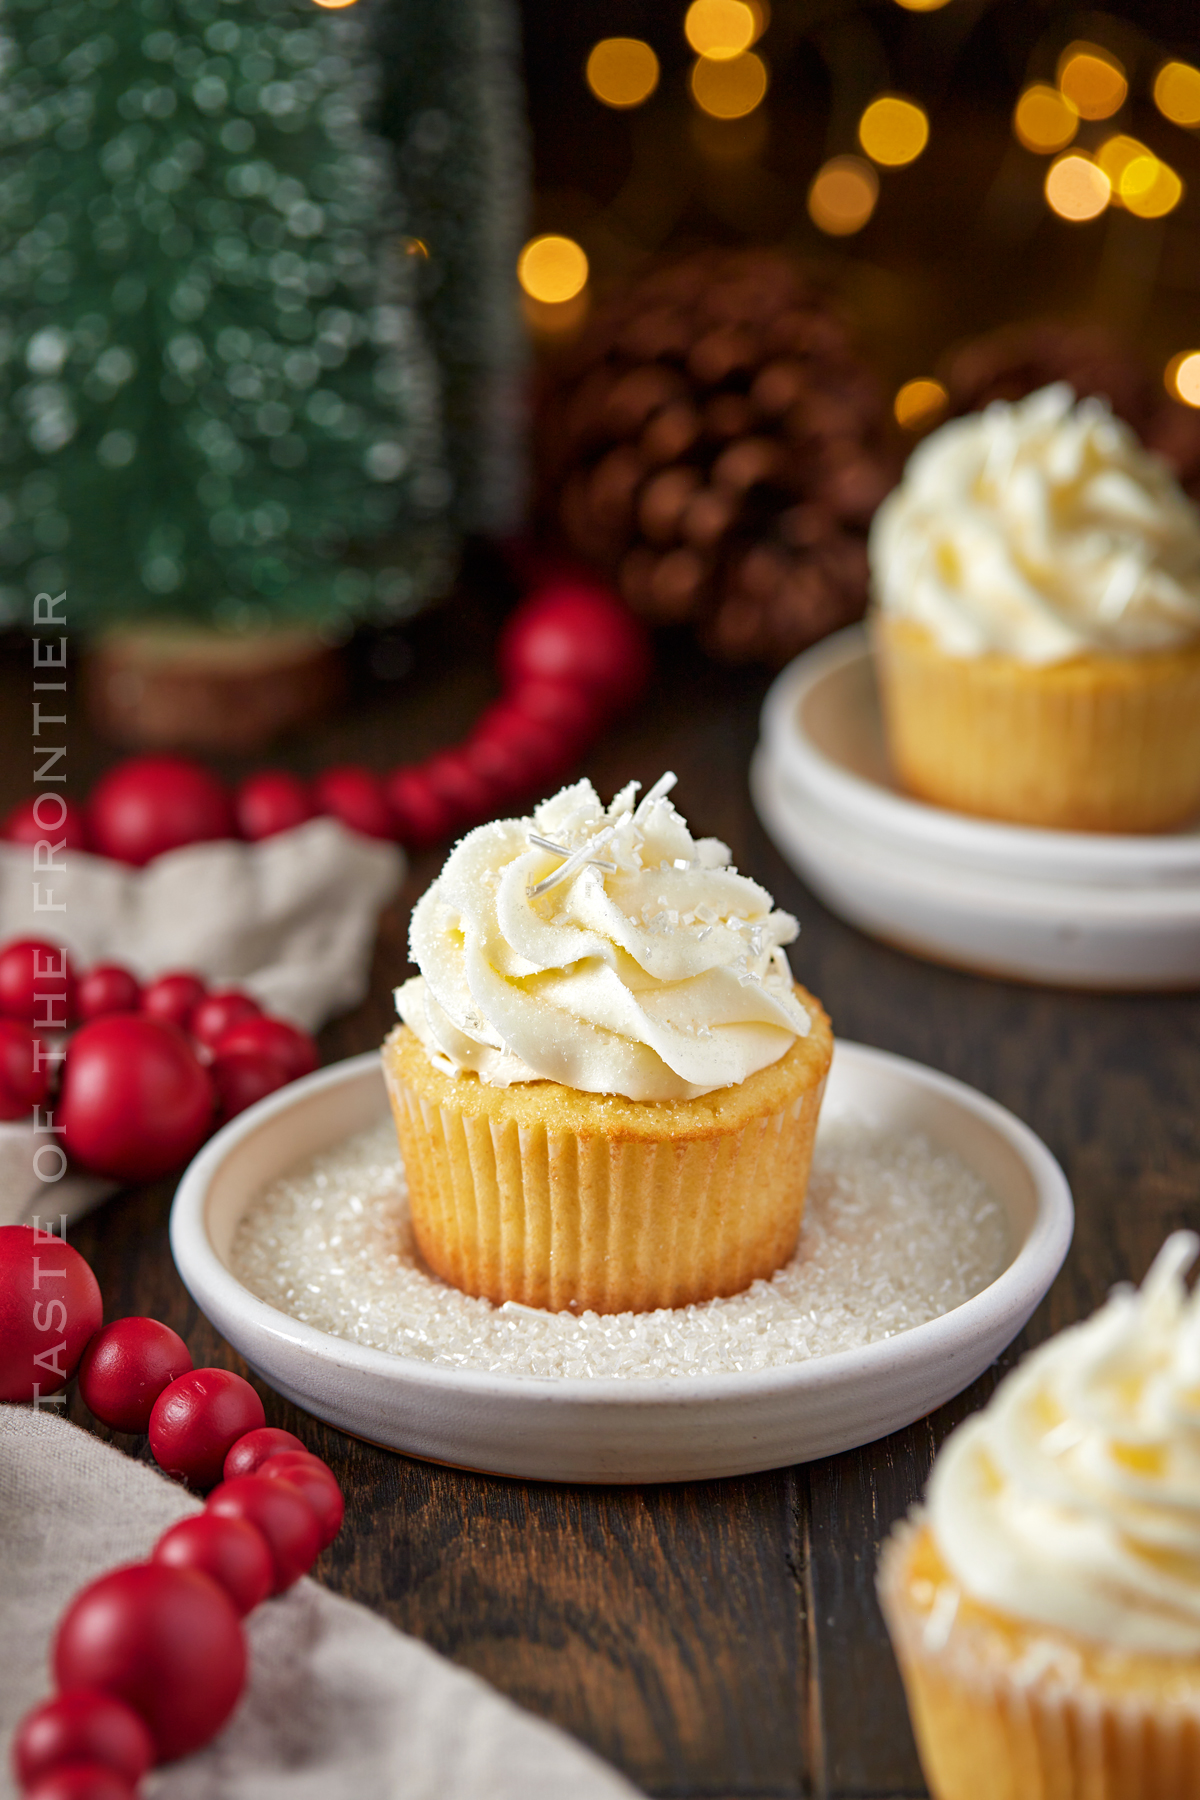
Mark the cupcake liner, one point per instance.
(1018, 1714)
(1099, 743)
(513, 1209)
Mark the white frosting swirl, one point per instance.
(631, 959)
(1073, 1500)
(1042, 531)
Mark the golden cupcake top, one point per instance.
(1039, 530)
(1073, 1500)
(604, 948)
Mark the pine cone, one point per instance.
(716, 443)
(1018, 359)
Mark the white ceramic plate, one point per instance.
(633, 1430)
(1066, 934)
(822, 724)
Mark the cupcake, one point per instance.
(1045, 1608)
(1036, 589)
(606, 1084)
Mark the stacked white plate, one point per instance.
(1075, 909)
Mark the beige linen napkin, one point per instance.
(339, 1706)
(291, 919)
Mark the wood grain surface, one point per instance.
(716, 1641)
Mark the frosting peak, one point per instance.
(1073, 1499)
(1040, 530)
(604, 948)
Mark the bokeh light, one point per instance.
(333, 5)
(761, 10)
(622, 71)
(1117, 153)
(922, 5)
(1177, 93)
(1077, 188)
(720, 28)
(1150, 188)
(918, 403)
(729, 88)
(893, 131)
(1092, 80)
(552, 269)
(1043, 121)
(1181, 377)
(842, 195)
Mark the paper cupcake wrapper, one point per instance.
(1095, 744)
(1034, 1726)
(563, 1221)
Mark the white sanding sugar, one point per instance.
(895, 1233)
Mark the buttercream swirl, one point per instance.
(1040, 530)
(1073, 1499)
(603, 948)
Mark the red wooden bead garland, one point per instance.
(218, 1011)
(49, 1307)
(167, 1641)
(126, 1367)
(252, 1450)
(281, 1513)
(242, 1079)
(37, 983)
(198, 1419)
(48, 818)
(232, 1551)
(271, 802)
(355, 796)
(86, 1726)
(292, 1048)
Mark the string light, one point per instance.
(720, 29)
(622, 72)
(918, 403)
(1177, 93)
(1076, 188)
(1150, 188)
(922, 5)
(1181, 377)
(1092, 80)
(842, 195)
(1043, 121)
(552, 269)
(731, 87)
(893, 131)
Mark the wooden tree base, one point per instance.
(181, 688)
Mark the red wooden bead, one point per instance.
(543, 751)
(232, 1551)
(81, 1781)
(292, 1048)
(49, 817)
(271, 802)
(573, 629)
(218, 1011)
(316, 1481)
(37, 983)
(572, 711)
(281, 1513)
(23, 1084)
(422, 816)
(455, 780)
(84, 1725)
(242, 1079)
(108, 988)
(135, 1100)
(355, 796)
(126, 1367)
(254, 1448)
(173, 998)
(197, 1420)
(49, 1307)
(166, 1641)
(151, 804)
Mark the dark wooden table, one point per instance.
(718, 1639)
